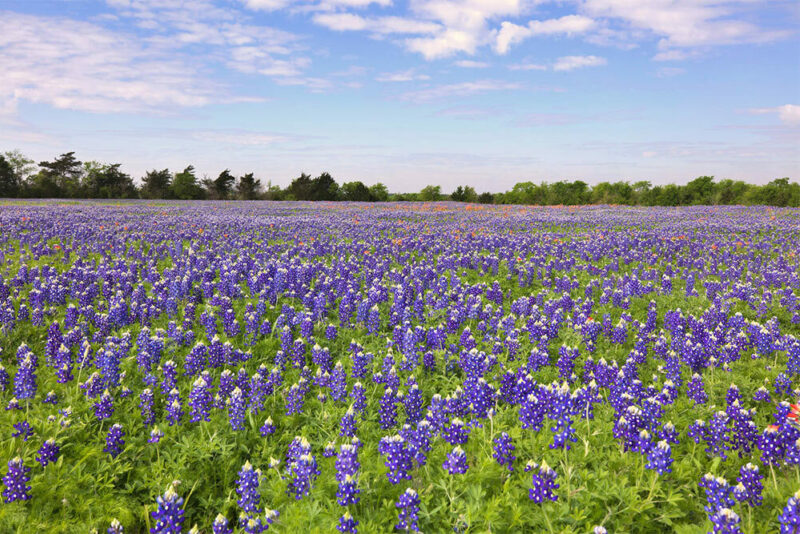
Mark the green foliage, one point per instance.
(9, 185)
(430, 193)
(157, 184)
(185, 186)
(249, 187)
(66, 177)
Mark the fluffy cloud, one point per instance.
(685, 23)
(375, 25)
(70, 64)
(469, 64)
(403, 76)
(788, 113)
(567, 63)
(459, 90)
(511, 33)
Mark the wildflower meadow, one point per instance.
(223, 367)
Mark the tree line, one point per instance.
(67, 177)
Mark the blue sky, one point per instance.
(475, 92)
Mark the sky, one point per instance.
(485, 93)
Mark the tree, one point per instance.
(379, 192)
(430, 193)
(698, 191)
(101, 180)
(776, 193)
(300, 188)
(324, 187)
(157, 184)
(464, 194)
(248, 187)
(9, 185)
(185, 186)
(355, 192)
(486, 198)
(60, 177)
(222, 186)
(22, 166)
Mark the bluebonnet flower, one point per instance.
(750, 486)
(725, 521)
(532, 412)
(4, 378)
(504, 451)
(718, 493)
(236, 408)
(168, 515)
(304, 471)
(104, 408)
(146, 404)
(398, 458)
(25, 378)
(456, 462)
(659, 457)
(347, 524)
(412, 403)
(302, 467)
(338, 382)
(771, 445)
(23, 430)
(695, 389)
(388, 411)
(220, 525)
(115, 527)
(359, 395)
(790, 516)
(247, 489)
(174, 408)
(544, 482)
(200, 400)
(115, 440)
(762, 395)
(716, 435)
(169, 370)
(456, 433)
(347, 425)
(257, 525)
(295, 398)
(267, 428)
(408, 504)
(783, 385)
(331, 332)
(50, 398)
(48, 452)
(15, 480)
(155, 435)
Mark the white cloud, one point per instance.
(465, 24)
(469, 64)
(669, 72)
(267, 5)
(568, 63)
(527, 66)
(77, 65)
(235, 137)
(376, 25)
(403, 76)
(241, 45)
(788, 113)
(459, 90)
(511, 33)
(685, 23)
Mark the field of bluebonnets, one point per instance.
(227, 367)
